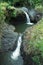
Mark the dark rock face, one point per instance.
(8, 39)
(19, 19)
(35, 16)
(18, 4)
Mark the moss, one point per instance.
(36, 60)
(33, 43)
(36, 34)
(39, 8)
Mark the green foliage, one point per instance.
(37, 43)
(2, 19)
(39, 8)
(34, 2)
(31, 3)
(1, 12)
(3, 6)
(36, 59)
(14, 13)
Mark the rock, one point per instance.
(35, 15)
(19, 19)
(11, 27)
(33, 44)
(39, 8)
(8, 38)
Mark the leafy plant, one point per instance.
(36, 60)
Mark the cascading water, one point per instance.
(25, 10)
(28, 19)
(16, 53)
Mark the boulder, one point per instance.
(8, 38)
(35, 15)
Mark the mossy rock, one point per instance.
(33, 42)
(39, 8)
(34, 34)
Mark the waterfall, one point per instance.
(25, 10)
(16, 53)
(28, 19)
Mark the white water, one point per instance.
(28, 19)
(16, 53)
(25, 10)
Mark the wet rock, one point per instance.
(5, 59)
(35, 15)
(19, 19)
(11, 27)
(8, 39)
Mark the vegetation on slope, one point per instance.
(33, 42)
(33, 37)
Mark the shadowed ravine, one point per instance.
(16, 56)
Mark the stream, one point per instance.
(5, 59)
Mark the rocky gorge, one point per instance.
(32, 37)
